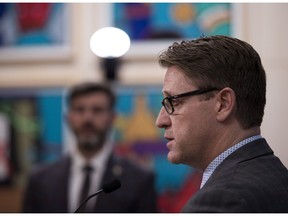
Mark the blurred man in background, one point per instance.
(215, 94)
(64, 185)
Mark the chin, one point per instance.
(173, 158)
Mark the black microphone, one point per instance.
(107, 188)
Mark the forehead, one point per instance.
(176, 81)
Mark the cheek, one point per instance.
(182, 137)
(189, 131)
(102, 122)
(73, 121)
(183, 126)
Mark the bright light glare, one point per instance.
(109, 42)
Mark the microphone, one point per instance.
(106, 188)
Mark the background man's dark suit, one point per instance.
(251, 179)
(48, 187)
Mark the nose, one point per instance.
(88, 115)
(163, 119)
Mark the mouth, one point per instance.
(169, 139)
(87, 132)
(87, 129)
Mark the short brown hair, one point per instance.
(88, 88)
(221, 61)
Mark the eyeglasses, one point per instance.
(167, 102)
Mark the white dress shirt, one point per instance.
(76, 178)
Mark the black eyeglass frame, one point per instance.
(191, 93)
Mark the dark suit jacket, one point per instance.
(47, 189)
(250, 180)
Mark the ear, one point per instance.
(226, 104)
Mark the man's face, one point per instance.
(189, 130)
(91, 118)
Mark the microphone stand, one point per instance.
(107, 188)
(89, 197)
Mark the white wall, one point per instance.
(267, 32)
(261, 25)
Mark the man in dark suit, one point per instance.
(62, 186)
(215, 94)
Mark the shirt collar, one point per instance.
(220, 158)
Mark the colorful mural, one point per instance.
(32, 115)
(144, 21)
(23, 24)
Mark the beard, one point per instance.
(91, 142)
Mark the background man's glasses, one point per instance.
(168, 104)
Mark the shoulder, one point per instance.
(253, 185)
(133, 175)
(252, 176)
(252, 167)
(44, 170)
(130, 167)
(216, 199)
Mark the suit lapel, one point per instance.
(113, 171)
(61, 185)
